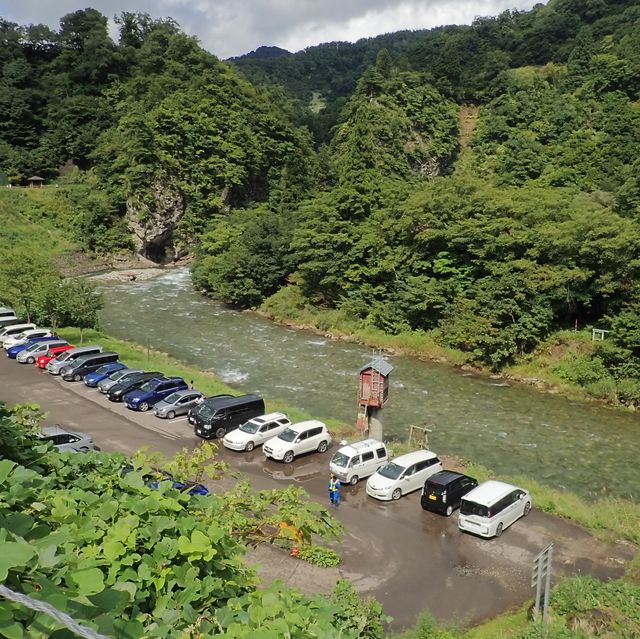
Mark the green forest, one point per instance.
(474, 186)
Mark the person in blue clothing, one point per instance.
(334, 490)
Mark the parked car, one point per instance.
(157, 476)
(443, 491)
(256, 431)
(358, 460)
(153, 391)
(178, 403)
(303, 437)
(10, 321)
(118, 376)
(76, 370)
(6, 313)
(491, 507)
(53, 352)
(117, 391)
(92, 379)
(22, 338)
(63, 359)
(403, 475)
(9, 331)
(12, 352)
(38, 347)
(65, 440)
(216, 416)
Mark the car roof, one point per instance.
(309, 423)
(187, 391)
(445, 477)
(269, 417)
(49, 431)
(415, 456)
(490, 492)
(83, 349)
(224, 401)
(358, 447)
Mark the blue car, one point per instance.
(152, 392)
(12, 351)
(92, 379)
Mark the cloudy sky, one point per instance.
(234, 27)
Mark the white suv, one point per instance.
(256, 431)
(299, 438)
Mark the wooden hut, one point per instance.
(36, 181)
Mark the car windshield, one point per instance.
(173, 398)
(63, 357)
(472, 508)
(205, 411)
(288, 435)
(33, 347)
(103, 369)
(392, 471)
(250, 427)
(149, 386)
(340, 459)
(118, 374)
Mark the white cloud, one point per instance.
(233, 27)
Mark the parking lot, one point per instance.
(408, 559)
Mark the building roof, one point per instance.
(36, 178)
(383, 367)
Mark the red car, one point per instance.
(54, 351)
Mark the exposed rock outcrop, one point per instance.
(153, 224)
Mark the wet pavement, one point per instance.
(407, 559)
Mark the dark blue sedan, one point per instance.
(92, 379)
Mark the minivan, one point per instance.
(14, 329)
(491, 507)
(443, 491)
(34, 350)
(216, 416)
(403, 475)
(75, 370)
(303, 437)
(10, 321)
(358, 460)
(63, 359)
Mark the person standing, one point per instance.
(334, 490)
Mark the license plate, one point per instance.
(433, 497)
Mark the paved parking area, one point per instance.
(408, 559)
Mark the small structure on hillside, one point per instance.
(373, 394)
(36, 181)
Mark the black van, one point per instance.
(443, 491)
(216, 416)
(78, 368)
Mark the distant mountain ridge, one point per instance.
(262, 53)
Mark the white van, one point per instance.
(303, 437)
(403, 475)
(358, 460)
(14, 329)
(491, 507)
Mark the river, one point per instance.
(584, 448)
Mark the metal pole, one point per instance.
(536, 605)
(547, 587)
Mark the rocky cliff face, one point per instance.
(153, 224)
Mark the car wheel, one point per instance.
(449, 511)
(84, 449)
(171, 414)
(288, 457)
(499, 530)
(249, 447)
(527, 509)
(77, 377)
(354, 480)
(396, 494)
(221, 432)
(30, 360)
(144, 407)
(322, 447)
